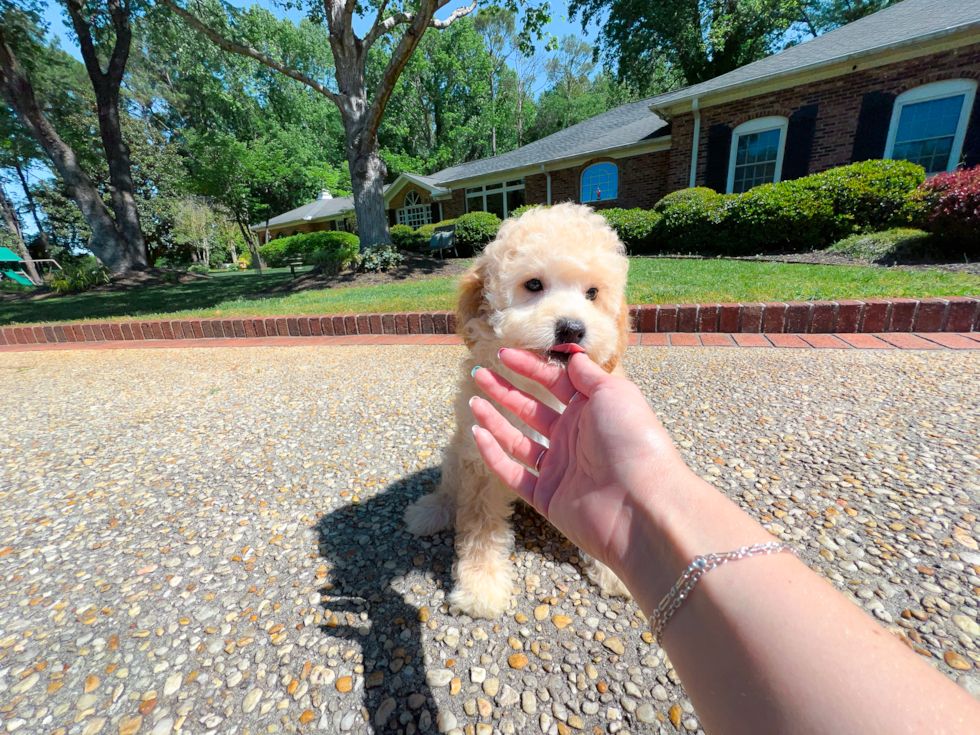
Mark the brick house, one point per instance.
(901, 83)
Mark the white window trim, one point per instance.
(581, 178)
(481, 191)
(936, 91)
(759, 125)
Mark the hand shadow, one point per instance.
(369, 608)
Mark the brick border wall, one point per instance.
(871, 316)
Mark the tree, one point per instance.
(12, 222)
(116, 236)
(360, 112)
(496, 26)
(825, 15)
(701, 38)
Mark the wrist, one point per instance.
(681, 518)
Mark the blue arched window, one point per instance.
(600, 182)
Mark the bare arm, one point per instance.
(762, 644)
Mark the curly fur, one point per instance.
(570, 249)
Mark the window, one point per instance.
(500, 199)
(413, 213)
(600, 182)
(929, 123)
(757, 153)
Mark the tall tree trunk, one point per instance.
(32, 206)
(250, 244)
(106, 85)
(13, 224)
(367, 175)
(18, 93)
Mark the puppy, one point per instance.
(551, 277)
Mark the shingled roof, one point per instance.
(907, 23)
(622, 127)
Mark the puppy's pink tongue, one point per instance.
(571, 349)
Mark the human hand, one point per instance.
(608, 457)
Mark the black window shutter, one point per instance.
(435, 212)
(872, 128)
(971, 143)
(799, 143)
(392, 218)
(716, 166)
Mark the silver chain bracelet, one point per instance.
(697, 569)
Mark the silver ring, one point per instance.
(537, 462)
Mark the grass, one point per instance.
(650, 281)
(882, 246)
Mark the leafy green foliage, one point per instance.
(80, 277)
(424, 233)
(637, 228)
(789, 216)
(690, 220)
(379, 258)
(201, 270)
(890, 246)
(278, 253)
(403, 237)
(476, 229)
(527, 208)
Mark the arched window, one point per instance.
(929, 123)
(757, 153)
(413, 213)
(600, 182)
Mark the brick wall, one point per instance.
(839, 101)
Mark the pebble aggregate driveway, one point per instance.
(210, 541)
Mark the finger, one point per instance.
(551, 376)
(585, 376)
(517, 478)
(522, 448)
(525, 408)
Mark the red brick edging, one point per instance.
(953, 314)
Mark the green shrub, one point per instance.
(951, 204)
(379, 258)
(476, 229)
(527, 208)
(81, 277)
(868, 196)
(690, 221)
(200, 269)
(889, 246)
(332, 262)
(404, 237)
(790, 216)
(637, 228)
(278, 253)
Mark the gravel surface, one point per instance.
(210, 541)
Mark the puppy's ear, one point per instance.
(472, 303)
(622, 341)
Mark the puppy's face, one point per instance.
(553, 278)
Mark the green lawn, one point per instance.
(651, 281)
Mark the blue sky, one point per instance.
(559, 26)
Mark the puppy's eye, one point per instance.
(591, 294)
(533, 285)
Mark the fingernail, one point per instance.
(473, 371)
(500, 352)
(473, 428)
(470, 402)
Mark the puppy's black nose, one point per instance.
(569, 332)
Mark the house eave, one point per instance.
(554, 164)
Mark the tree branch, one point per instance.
(245, 50)
(400, 57)
(382, 27)
(85, 43)
(120, 50)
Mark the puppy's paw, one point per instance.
(483, 590)
(431, 514)
(604, 577)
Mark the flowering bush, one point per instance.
(953, 208)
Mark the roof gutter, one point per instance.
(659, 108)
(694, 147)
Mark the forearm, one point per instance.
(765, 645)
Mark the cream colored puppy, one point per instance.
(552, 277)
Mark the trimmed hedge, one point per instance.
(637, 228)
(278, 253)
(786, 217)
(476, 229)
(424, 233)
(403, 237)
(690, 221)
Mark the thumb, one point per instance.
(585, 375)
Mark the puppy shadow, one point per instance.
(377, 580)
